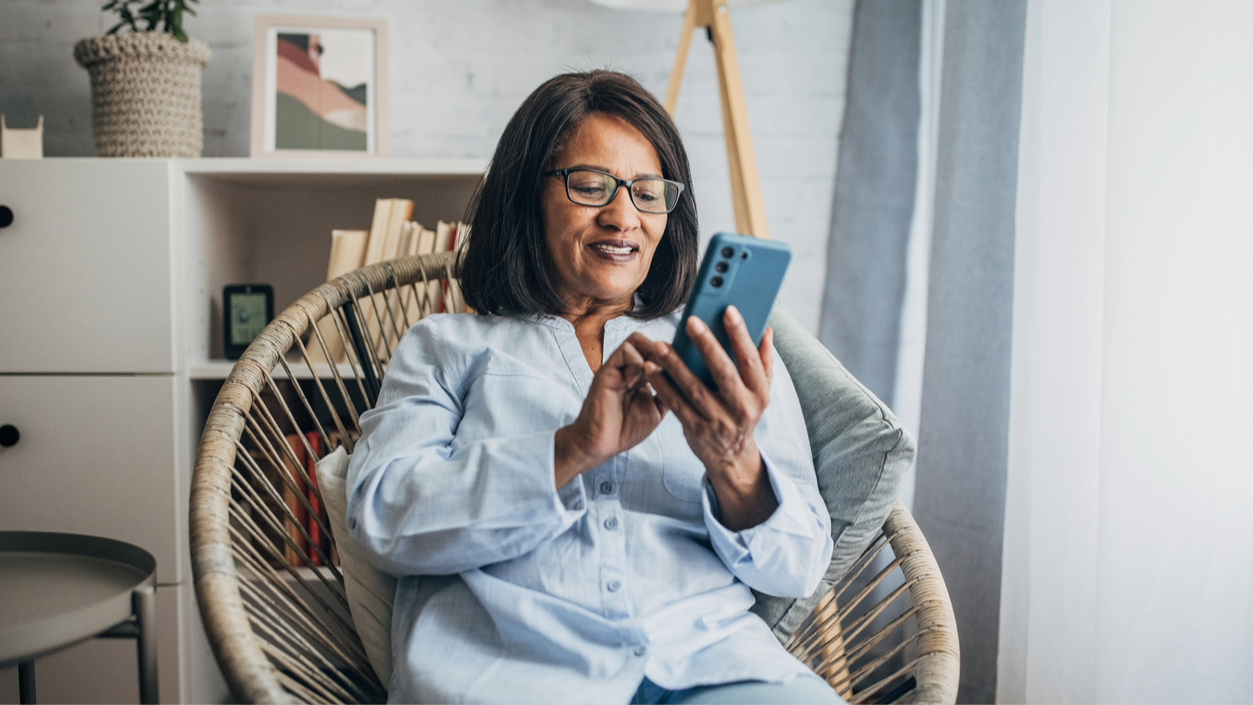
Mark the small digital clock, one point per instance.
(246, 310)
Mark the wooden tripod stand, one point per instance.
(715, 17)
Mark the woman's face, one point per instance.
(602, 255)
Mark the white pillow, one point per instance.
(370, 590)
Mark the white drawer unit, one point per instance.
(95, 456)
(111, 276)
(85, 267)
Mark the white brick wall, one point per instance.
(460, 68)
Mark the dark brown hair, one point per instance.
(505, 267)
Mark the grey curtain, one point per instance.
(874, 194)
(963, 434)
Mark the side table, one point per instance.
(59, 589)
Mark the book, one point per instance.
(392, 234)
(265, 481)
(375, 248)
(384, 245)
(378, 231)
(316, 537)
(443, 243)
(401, 212)
(426, 241)
(299, 516)
(398, 321)
(347, 253)
(406, 238)
(417, 298)
(444, 233)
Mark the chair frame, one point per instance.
(282, 634)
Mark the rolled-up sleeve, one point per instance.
(420, 504)
(787, 554)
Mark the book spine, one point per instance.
(347, 254)
(298, 516)
(332, 442)
(320, 541)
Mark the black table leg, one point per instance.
(145, 606)
(26, 682)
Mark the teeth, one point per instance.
(613, 249)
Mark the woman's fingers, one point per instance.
(662, 406)
(644, 398)
(767, 354)
(635, 348)
(700, 397)
(671, 397)
(632, 365)
(628, 362)
(752, 370)
(640, 341)
(730, 387)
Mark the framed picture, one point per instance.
(319, 87)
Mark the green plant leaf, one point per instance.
(157, 15)
(175, 22)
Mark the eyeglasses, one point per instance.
(589, 187)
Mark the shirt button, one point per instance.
(641, 650)
(614, 586)
(611, 523)
(606, 487)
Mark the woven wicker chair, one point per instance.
(885, 633)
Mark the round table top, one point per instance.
(58, 589)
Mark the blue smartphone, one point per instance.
(737, 270)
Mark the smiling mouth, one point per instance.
(616, 249)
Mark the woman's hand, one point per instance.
(619, 412)
(719, 425)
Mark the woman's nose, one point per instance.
(620, 213)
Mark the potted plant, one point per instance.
(145, 82)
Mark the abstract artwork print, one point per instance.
(323, 89)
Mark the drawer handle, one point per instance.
(6, 216)
(9, 435)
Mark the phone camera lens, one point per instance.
(722, 267)
(728, 252)
(743, 255)
(715, 282)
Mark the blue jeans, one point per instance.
(805, 690)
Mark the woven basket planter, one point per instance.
(145, 92)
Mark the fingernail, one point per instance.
(696, 323)
(734, 313)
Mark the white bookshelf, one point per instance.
(269, 222)
(284, 168)
(220, 369)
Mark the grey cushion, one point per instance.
(861, 452)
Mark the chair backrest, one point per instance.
(272, 597)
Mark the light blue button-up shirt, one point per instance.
(515, 590)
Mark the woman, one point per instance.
(570, 526)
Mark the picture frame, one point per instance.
(319, 87)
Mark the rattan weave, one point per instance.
(885, 633)
(145, 91)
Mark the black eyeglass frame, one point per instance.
(618, 183)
